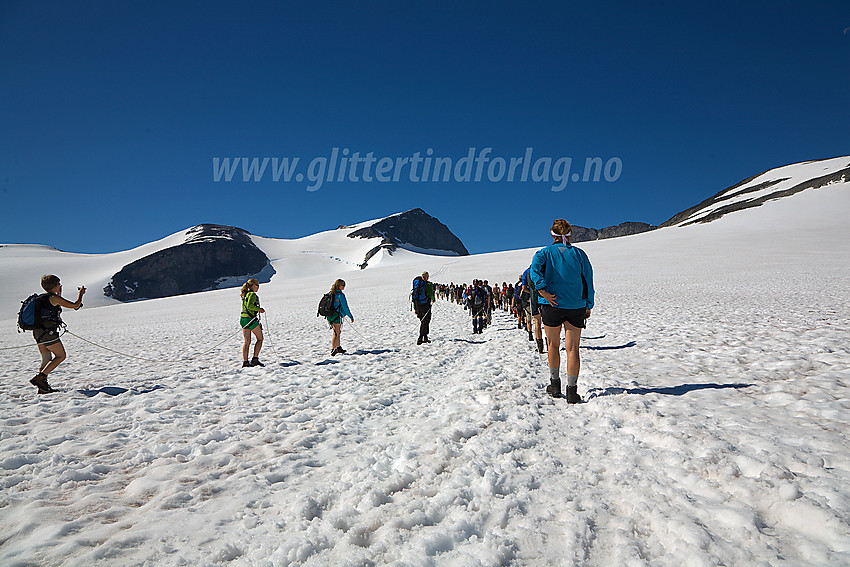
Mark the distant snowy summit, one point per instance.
(413, 230)
(216, 256)
(773, 184)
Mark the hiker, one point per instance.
(526, 295)
(563, 277)
(250, 322)
(520, 297)
(489, 309)
(535, 314)
(509, 296)
(476, 301)
(49, 310)
(341, 310)
(423, 298)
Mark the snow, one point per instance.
(779, 179)
(715, 366)
(324, 253)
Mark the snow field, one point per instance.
(715, 432)
(706, 442)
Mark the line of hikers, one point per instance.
(554, 293)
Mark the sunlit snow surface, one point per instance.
(716, 366)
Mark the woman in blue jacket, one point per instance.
(563, 277)
(340, 310)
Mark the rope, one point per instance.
(269, 336)
(56, 340)
(162, 361)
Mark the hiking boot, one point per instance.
(554, 389)
(540, 346)
(572, 395)
(425, 339)
(246, 364)
(420, 340)
(530, 336)
(256, 362)
(40, 382)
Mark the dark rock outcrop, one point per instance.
(213, 256)
(414, 228)
(582, 234)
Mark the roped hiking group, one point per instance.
(554, 293)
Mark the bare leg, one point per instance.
(571, 341)
(246, 333)
(58, 352)
(553, 339)
(46, 357)
(258, 332)
(337, 327)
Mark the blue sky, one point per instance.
(111, 113)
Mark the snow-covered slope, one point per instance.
(22, 265)
(328, 253)
(716, 365)
(771, 185)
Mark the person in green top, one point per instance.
(250, 322)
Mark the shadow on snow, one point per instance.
(618, 347)
(115, 390)
(668, 391)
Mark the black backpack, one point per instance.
(326, 305)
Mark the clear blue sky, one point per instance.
(111, 113)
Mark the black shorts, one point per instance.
(46, 336)
(555, 317)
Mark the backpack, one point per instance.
(418, 294)
(326, 305)
(29, 317)
(476, 297)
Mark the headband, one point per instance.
(563, 236)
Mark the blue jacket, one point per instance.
(341, 306)
(558, 269)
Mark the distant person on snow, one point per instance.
(563, 277)
(533, 311)
(250, 322)
(52, 351)
(423, 298)
(341, 310)
(476, 302)
(521, 295)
